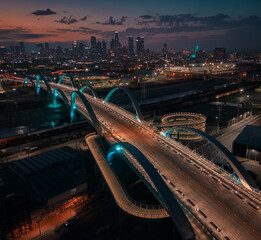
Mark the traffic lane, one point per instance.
(117, 123)
(130, 129)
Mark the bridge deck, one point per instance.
(119, 194)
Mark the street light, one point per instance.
(219, 110)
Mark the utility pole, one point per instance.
(219, 110)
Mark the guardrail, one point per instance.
(230, 177)
(208, 163)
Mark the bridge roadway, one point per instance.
(215, 199)
(218, 200)
(121, 197)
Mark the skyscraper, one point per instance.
(131, 47)
(140, 46)
(22, 47)
(46, 46)
(93, 42)
(75, 45)
(104, 49)
(165, 50)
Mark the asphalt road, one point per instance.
(233, 215)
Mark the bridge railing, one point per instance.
(189, 153)
(230, 177)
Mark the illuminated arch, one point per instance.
(240, 171)
(26, 81)
(88, 107)
(49, 78)
(40, 78)
(166, 196)
(131, 97)
(71, 79)
(58, 92)
(94, 93)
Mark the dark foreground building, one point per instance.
(248, 143)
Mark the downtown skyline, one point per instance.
(235, 25)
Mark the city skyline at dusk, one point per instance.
(235, 25)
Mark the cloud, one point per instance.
(147, 17)
(46, 12)
(113, 21)
(20, 33)
(83, 30)
(70, 20)
(83, 19)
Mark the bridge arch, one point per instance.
(94, 93)
(71, 79)
(40, 78)
(49, 78)
(88, 107)
(240, 171)
(58, 92)
(131, 97)
(166, 196)
(26, 81)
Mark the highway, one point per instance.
(229, 211)
(217, 200)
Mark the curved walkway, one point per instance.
(118, 193)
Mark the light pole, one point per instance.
(219, 110)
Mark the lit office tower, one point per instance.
(117, 41)
(131, 46)
(22, 48)
(75, 45)
(93, 42)
(140, 46)
(46, 46)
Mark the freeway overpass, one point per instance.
(231, 210)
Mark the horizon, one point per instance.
(235, 25)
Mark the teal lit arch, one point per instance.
(39, 79)
(88, 107)
(58, 92)
(163, 193)
(49, 78)
(135, 103)
(240, 171)
(94, 93)
(26, 81)
(71, 79)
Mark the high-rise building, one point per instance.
(130, 46)
(93, 42)
(75, 45)
(140, 46)
(46, 46)
(39, 47)
(220, 53)
(104, 48)
(81, 47)
(165, 50)
(22, 47)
